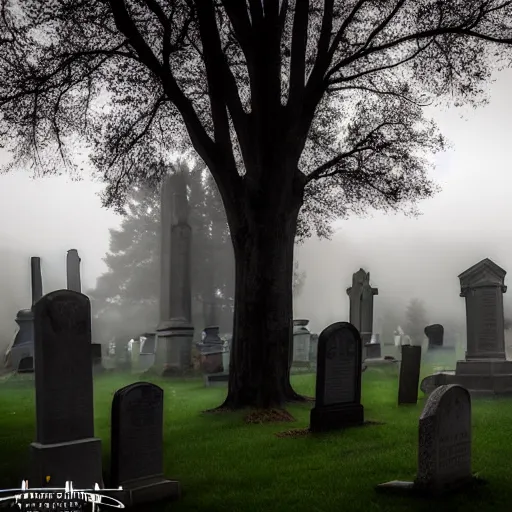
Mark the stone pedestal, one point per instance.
(59, 462)
(485, 369)
(174, 347)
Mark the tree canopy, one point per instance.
(303, 111)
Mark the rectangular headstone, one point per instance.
(409, 375)
(36, 279)
(137, 444)
(444, 452)
(338, 379)
(73, 271)
(64, 392)
(482, 285)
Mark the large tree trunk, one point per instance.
(262, 331)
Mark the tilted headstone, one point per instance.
(338, 379)
(73, 271)
(444, 452)
(409, 375)
(137, 444)
(64, 393)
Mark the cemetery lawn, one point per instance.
(225, 464)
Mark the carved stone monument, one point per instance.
(137, 444)
(338, 379)
(444, 452)
(64, 393)
(361, 296)
(485, 369)
(175, 331)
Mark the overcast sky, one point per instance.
(466, 222)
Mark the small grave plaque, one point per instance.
(137, 444)
(338, 379)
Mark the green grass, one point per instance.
(224, 464)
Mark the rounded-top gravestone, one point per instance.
(338, 379)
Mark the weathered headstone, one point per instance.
(64, 393)
(409, 375)
(97, 357)
(301, 342)
(361, 304)
(73, 271)
(338, 379)
(137, 444)
(444, 453)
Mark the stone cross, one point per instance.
(361, 304)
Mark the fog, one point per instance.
(407, 258)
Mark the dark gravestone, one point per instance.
(137, 444)
(409, 375)
(373, 350)
(435, 335)
(338, 379)
(148, 346)
(444, 451)
(26, 365)
(73, 271)
(96, 356)
(64, 393)
(36, 279)
(211, 350)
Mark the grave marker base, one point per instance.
(216, 379)
(147, 490)
(75, 461)
(336, 417)
(408, 488)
